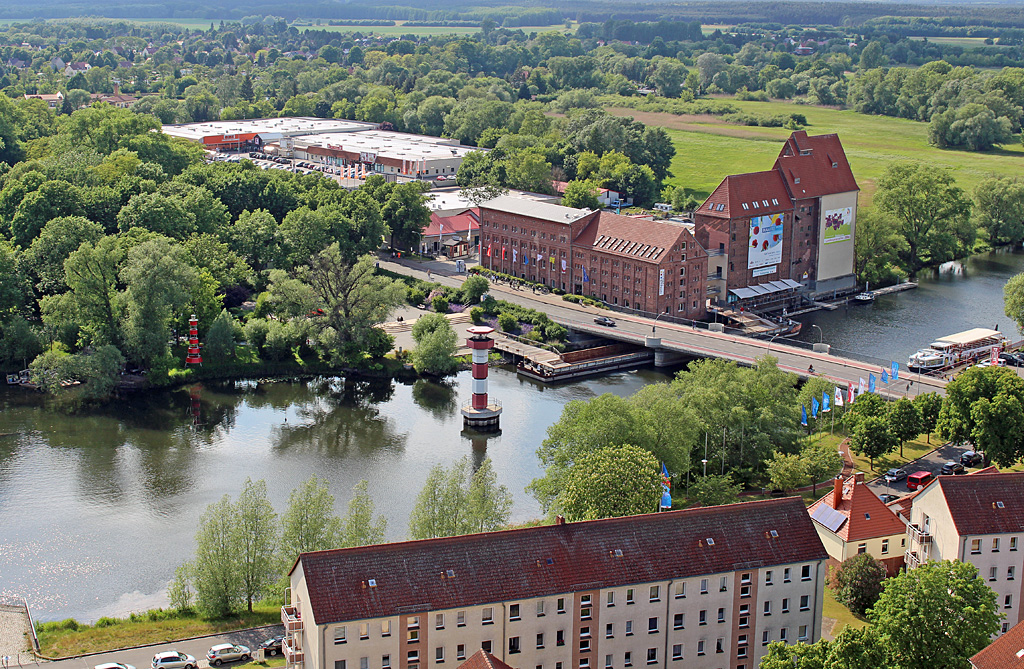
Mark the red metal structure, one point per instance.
(193, 357)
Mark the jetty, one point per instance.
(549, 366)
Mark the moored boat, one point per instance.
(957, 348)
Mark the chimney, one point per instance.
(837, 492)
(117, 88)
(858, 477)
(559, 520)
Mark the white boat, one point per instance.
(956, 348)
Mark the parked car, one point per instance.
(888, 497)
(604, 320)
(919, 480)
(271, 646)
(114, 665)
(227, 652)
(952, 468)
(971, 459)
(1009, 359)
(894, 475)
(172, 659)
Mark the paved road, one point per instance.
(683, 338)
(930, 462)
(142, 657)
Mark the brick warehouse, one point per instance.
(789, 230)
(652, 266)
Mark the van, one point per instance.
(919, 480)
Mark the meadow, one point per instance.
(708, 149)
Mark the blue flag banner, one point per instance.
(586, 279)
(895, 370)
(803, 415)
(825, 405)
(666, 487)
(885, 376)
(871, 383)
(814, 407)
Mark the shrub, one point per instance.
(857, 582)
(477, 315)
(473, 287)
(507, 322)
(440, 304)
(107, 622)
(414, 296)
(555, 332)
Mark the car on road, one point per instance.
(919, 480)
(172, 659)
(114, 665)
(952, 468)
(227, 652)
(894, 475)
(971, 459)
(605, 321)
(888, 497)
(1009, 359)
(271, 646)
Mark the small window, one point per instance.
(385, 661)
(784, 634)
(655, 593)
(862, 548)
(652, 625)
(723, 584)
(785, 604)
(560, 638)
(413, 656)
(700, 647)
(611, 598)
(585, 613)
(485, 646)
(629, 595)
(678, 621)
(513, 645)
(460, 619)
(885, 546)
(975, 546)
(768, 577)
(385, 628)
(703, 586)
(540, 640)
(561, 604)
(628, 659)
(993, 573)
(488, 616)
(652, 656)
(439, 621)
(460, 652)
(609, 631)
(585, 632)
(805, 602)
(711, 542)
(766, 638)
(608, 661)
(805, 572)
(995, 545)
(802, 633)
(513, 612)
(439, 654)
(785, 575)
(339, 635)
(1013, 543)
(1010, 572)
(584, 663)
(721, 615)
(584, 645)
(1008, 602)
(677, 651)
(412, 636)
(340, 664)
(681, 590)
(702, 617)
(767, 608)
(540, 608)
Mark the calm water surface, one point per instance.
(97, 510)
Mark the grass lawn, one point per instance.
(425, 31)
(843, 616)
(912, 450)
(269, 662)
(707, 150)
(56, 640)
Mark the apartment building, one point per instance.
(1006, 652)
(976, 519)
(851, 520)
(697, 588)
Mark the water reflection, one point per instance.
(438, 398)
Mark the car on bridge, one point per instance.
(605, 321)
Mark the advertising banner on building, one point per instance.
(837, 225)
(661, 282)
(765, 246)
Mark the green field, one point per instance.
(959, 41)
(707, 150)
(424, 31)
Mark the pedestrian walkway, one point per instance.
(14, 635)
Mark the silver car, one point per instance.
(172, 659)
(226, 652)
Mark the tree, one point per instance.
(800, 655)
(473, 288)
(714, 489)
(245, 91)
(877, 247)
(872, 56)
(857, 582)
(94, 300)
(436, 344)
(1013, 300)
(457, 501)
(972, 126)
(220, 338)
(986, 407)
(787, 472)
(309, 523)
(215, 570)
(929, 405)
(56, 241)
(821, 460)
(932, 214)
(405, 214)
(359, 527)
(872, 437)
(612, 481)
(256, 537)
(937, 615)
(581, 195)
(999, 210)
(668, 77)
(904, 421)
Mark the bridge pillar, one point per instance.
(821, 348)
(664, 357)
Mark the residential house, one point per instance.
(1006, 652)
(851, 520)
(696, 588)
(976, 519)
(457, 235)
(53, 100)
(76, 68)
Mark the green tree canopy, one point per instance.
(857, 582)
(985, 406)
(459, 501)
(612, 481)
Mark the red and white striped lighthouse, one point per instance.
(481, 413)
(193, 357)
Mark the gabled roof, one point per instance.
(463, 223)
(483, 660)
(1006, 652)
(815, 166)
(904, 504)
(751, 194)
(641, 240)
(990, 504)
(866, 515)
(476, 569)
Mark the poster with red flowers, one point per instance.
(764, 245)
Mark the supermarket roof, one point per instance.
(398, 145)
(273, 128)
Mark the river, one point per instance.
(97, 510)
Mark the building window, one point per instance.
(385, 661)
(785, 604)
(783, 634)
(767, 608)
(560, 638)
(585, 613)
(460, 619)
(652, 656)
(723, 584)
(768, 577)
(585, 632)
(460, 651)
(540, 640)
(655, 593)
(995, 545)
(652, 625)
(885, 546)
(608, 661)
(677, 651)
(766, 638)
(628, 659)
(584, 663)
(1006, 627)
(609, 631)
(488, 616)
(385, 628)
(744, 591)
(629, 595)
(744, 615)
(611, 598)
(561, 604)
(805, 572)
(540, 608)
(1013, 543)
(513, 645)
(862, 548)
(975, 546)
(1010, 573)
(413, 656)
(364, 630)
(584, 645)
(412, 636)
(700, 647)
(340, 664)
(681, 590)
(805, 602)
(802, 633)
(439, 621)
(703, 586)
(721, 615)
(785, 575)
(339, 635)
(629, 628)
(678, 621)
(993, 573)
(702, 617)
(439, 654)
(513, 612)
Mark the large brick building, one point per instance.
(698, 588)
(789, 230)
(649, 266)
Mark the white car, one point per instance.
(114, 665)
(172, 659)
(227, 652)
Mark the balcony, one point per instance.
(911, 560)
(292, 655)
(291, 619)
(918, 535)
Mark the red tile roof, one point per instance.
(626, 237)
(815, 166)
(737, 190)
(973, 502)
(483, 660)
(463, 223)
(516, 564)
(1006, 652)
(867, 516)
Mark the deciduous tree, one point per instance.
(904, 421)
(458, 501)
(612, 481)
(857, 582)
(873, 437)
(715, 489)
(309, 523)
(255, 534)
(787, 472)
(436, 343)
(359, 527)
(215, 570)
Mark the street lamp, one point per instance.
(654, 325)
(821, 333)
(771, 340)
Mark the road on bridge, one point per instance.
(684, 338)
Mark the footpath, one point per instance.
(14, 635)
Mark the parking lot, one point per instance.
(931, 462)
